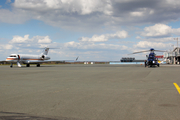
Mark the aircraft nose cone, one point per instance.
(7, 59)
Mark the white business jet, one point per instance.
(28, 59)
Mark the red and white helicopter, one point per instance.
(28, 59)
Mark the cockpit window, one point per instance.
(12, 56)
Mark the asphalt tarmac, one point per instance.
(89, 92)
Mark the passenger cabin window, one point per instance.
(12, 56)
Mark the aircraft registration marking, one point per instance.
(177, 87)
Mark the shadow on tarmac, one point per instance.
(23, 116)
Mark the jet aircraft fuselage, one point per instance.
(28, 59)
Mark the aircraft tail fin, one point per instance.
(45, 51)
(77, 58)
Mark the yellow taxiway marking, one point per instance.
(177, 87)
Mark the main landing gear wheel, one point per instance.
(38, 65)
(11, 65)
(27, 65)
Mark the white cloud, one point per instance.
(6, 46)
(19, 39)
(157, 30)
(164, 39)
(138, 37)
(95, 38)
(82, 7)
(92, 46)
(147, 44)
(151, 12)
(88, 15)
(119, 35)
(160, 30)
(142, 12)
(69, 50)
(45, 39)
(173, 2)
(105, 37)
(15, 16)
(8, 1)
(176, 31)
(35, 39)
(139, 14)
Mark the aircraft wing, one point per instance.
(42, 61)
(34, 61)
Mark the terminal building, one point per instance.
(172, 57)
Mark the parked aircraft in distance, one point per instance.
(28, 59)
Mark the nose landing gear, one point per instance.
(38, 65)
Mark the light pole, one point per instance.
(177, 49)
(177, 41)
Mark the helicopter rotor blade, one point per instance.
(147, 51)
(160, 51)
(140, 52)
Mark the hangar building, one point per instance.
(172, 57)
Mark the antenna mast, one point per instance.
(177, 40)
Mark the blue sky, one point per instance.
(90, 29)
